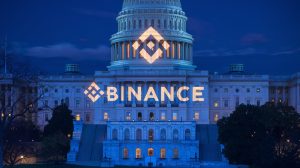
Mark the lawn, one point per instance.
(49, 166)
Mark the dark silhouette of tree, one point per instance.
(57, 134)
(18, 94)
(263, 137)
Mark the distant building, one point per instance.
(170, 133)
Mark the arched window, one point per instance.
(151, 135)
(162, 153)
(187, 134)
(125, 153)
(138, 153)
(151, 117)
(175, 135)
(175, 153)
(163, 135)
(150, 151)
(126, 135)
(138, 135)
(115, 134)
(140, 116)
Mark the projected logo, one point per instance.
(154, 43)
(93, 92)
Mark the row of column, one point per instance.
(133, 24)
(177, 50)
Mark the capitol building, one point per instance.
(156, 133)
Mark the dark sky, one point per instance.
(262, 34)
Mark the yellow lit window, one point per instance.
(197, 117)
(125, 153)
(77, 117)
(216, 117)
(150, 152)
(105, 117)
(128, 116)
(138, 153)
(175, 153)
(174, 117)
(162, 153)
(216, 104)
(163, 116)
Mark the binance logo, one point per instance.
(94, 92)
(151, 52)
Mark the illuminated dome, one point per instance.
(164, 16)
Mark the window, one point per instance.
(140, 116)
(226, 90)
(258, 90)
(78, 90)
(125, 153)
(128, 116)
(105, 116)
(175, 153)
(163, 116)
(150, 152)
(248, 90)
(216, 117)
(151, 135)
(127, 135)
(151, 117)
(237, 90)
(174, 116)
(77, 102)
(115, 134)
(163, 135)
(46, 90)
(138, 135)
(226, 103)
(163, 153)
(187, 134)
(138, 153)
(67, 90)
(216, 90)
(175, 135)
(55, 90)
(196, 116)
(77, 117)
(216, 104)
(87, 117)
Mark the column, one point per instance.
(119, 51)
(130, 50)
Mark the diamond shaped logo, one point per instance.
(143, 38)
(93, 92)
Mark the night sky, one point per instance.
(262, 34)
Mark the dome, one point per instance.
(167, 19)
(130, 4)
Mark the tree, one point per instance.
(57, 134)
(18, 94)
(18, 142)
(262, 137)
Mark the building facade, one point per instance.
(155, 133)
